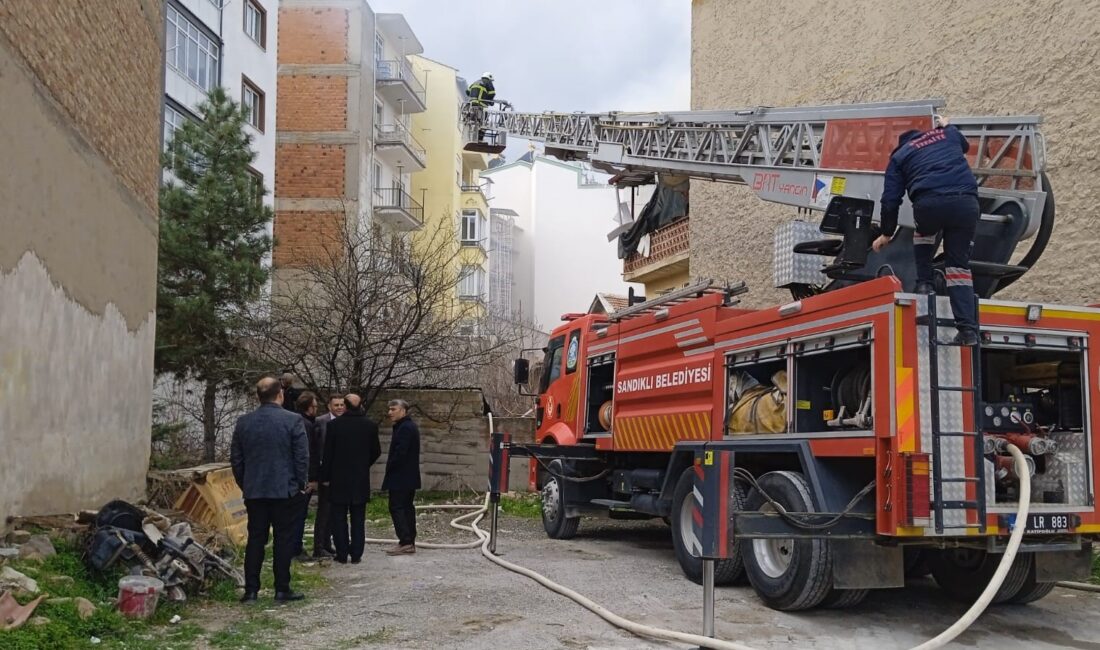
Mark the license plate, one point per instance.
(1047, 522)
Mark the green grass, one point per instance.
(67, 631)
(258, 632)
(1095, 569)
(527, 505)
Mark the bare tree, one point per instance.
(373, 311)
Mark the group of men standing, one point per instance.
(282, 453)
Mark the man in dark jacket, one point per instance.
(322, 532)
(932, 167)
(482, 92)
(403, 476)
(351, 447)
(306, 408)
(270, 459)
(290, 393)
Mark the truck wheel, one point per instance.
(844, 598)
(788, 574)
(1031, 590)
(554, 521)
(685, 543)
(964, 573)
(916, 563)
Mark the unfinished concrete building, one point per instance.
(79, 172)
(1011, 57)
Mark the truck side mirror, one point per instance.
(521, 370)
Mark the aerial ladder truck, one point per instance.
(834, 444)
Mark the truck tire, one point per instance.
(844, 598)
(787, 574)
(916, 563)
(964, 573)
(1031, 590)
(683, 538)
(554, 521)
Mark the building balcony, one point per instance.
(395, 145)
(474, 160)
(669, 250)
(473, 196)
(398, 210)
(398, 84)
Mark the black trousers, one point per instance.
(956, 216)
(403, 513)
(322, 533)
(349, 545)
(263, 516)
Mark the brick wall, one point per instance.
(312, 103)
(312, 35)
(111, 103)
(309, 171)
(996, 58)
(301, 236)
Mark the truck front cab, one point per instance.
(560, 410)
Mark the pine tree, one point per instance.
(213, 241)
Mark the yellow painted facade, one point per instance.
(450, 184)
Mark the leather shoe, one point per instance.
(320, 555)
(356, 560)
(407, 549)
(287, 596)
(340, 560)
(250, 597)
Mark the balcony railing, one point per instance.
(394, 199)
(400, 70)
(397, 134)
(664, 243)
(476, 188)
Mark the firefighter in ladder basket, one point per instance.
(932, 167)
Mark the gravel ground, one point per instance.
(457, 599)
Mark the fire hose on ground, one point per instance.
(484, 542)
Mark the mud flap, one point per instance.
(862, 564)
(1055, 566)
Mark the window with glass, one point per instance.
(255, 22)
(190, 51)
(252, 99)
(256, 186)
(173, 120)
(376, 180)
(470, 232)
(471, 281)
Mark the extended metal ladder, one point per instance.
(939, 505)
(678, 296)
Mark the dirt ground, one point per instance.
(457, 599)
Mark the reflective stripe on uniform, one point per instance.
(957, 277)
(923, 240)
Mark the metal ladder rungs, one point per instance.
(957, 389)
(957, 434)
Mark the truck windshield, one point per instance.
(552, 370)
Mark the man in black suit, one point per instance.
(351, 447)
(322, 532)
(403, 476)
(270, 459)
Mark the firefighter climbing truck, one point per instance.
(856, 443)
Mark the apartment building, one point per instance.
(456, 199)
(345, 150)
(561, 214)
(231, 43)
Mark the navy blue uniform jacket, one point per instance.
(932, 162)
(269, 453)
(403, 461)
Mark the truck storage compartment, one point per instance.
(832, 387)
(601, 384)
(1033, 396)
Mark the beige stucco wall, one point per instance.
(79, 172)
(1005, 57)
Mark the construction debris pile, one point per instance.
(150, 544)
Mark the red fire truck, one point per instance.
(864, 444)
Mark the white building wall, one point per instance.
(562, 254)
(239, 56)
